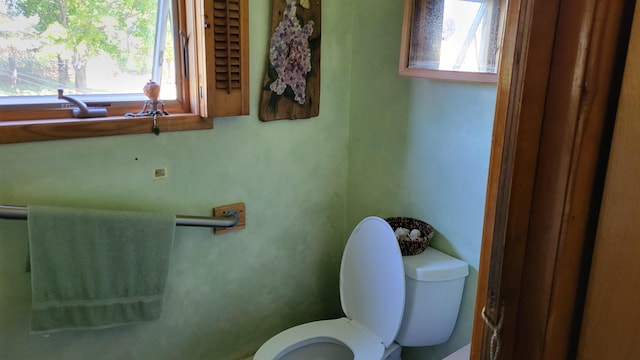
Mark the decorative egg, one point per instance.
(152, 90)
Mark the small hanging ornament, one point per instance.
(152, 90)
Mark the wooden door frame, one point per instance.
(558, 87)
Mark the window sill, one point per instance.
(448, 75)
(71, 128)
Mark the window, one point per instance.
(451, 39)
(47, 46)
(102, 52)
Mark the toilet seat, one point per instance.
(372, 291)
(372, 285)
(336, 331)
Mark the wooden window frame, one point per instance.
(410, 17)
(199, 104)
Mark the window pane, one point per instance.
(84, 47)
(459, 35)
(466, 34)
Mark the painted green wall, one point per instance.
(418, 148)
(382, 145)
(226, 294)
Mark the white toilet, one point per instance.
(389, 301)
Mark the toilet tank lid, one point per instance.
(434, 265)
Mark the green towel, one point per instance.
(97, 268)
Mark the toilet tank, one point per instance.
(434, 284)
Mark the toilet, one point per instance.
(389, 301)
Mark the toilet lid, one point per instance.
(372, 279)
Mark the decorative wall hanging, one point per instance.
(292, 81)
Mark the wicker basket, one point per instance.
(409, 246)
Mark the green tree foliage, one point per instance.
(21, 28)
(73, 31)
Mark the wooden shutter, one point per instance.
(224, 83)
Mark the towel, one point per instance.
(96, 268)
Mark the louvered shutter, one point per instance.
(225, 83)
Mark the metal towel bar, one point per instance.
(20, 213)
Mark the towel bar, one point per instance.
(20, 213)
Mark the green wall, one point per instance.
(382, 145)
(226, 294)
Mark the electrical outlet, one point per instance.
(160, 173)
(226, 210)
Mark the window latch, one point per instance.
(82, 110)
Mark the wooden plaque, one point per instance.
(291, 88)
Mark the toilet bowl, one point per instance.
(372, 294)
(328, 339)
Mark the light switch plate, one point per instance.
(160, 173)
